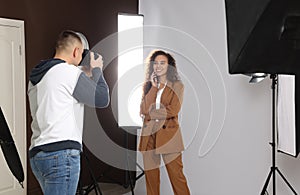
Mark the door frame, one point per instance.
(23, 148)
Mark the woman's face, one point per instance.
(160, 65)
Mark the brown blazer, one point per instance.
(163, 122)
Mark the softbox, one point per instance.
(9, 150)
(263, 37)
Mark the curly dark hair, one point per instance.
(172, 74)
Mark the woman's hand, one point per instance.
(154, 80)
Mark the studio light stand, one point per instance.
(274, 168)
(128, 160)
(93, 186)
(130, 179)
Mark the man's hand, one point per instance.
(87, 70)
(96, 63)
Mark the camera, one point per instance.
(86, 54)
(86, 57)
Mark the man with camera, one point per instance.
(58, 90)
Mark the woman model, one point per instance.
(161, 137)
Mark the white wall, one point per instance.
(226, 122)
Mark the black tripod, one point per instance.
(94, 186)
(274, 168)
(128, 175)
(130, 164)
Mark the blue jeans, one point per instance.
(57, 172)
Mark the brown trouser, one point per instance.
(173, 162)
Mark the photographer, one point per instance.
(58, 91)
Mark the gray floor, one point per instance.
(112, 189)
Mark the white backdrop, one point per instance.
(226, 122)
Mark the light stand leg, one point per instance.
(128, 168)
(267, 182)
(127, 172)
(94, 186)
(286, 181)
(273, 144)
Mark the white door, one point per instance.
(12, 97)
